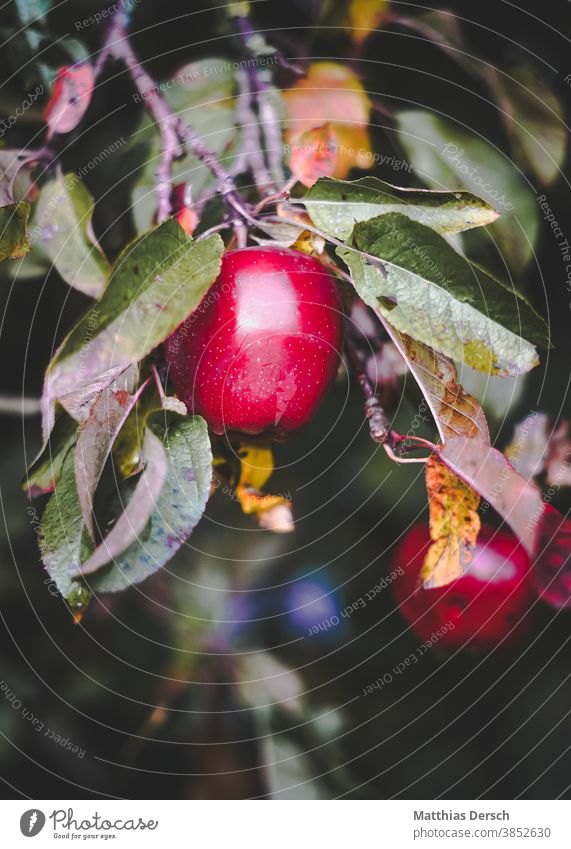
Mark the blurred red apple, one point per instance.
(486, 606)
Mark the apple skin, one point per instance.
(487, 605)
(258, 354)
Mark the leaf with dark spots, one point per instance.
(71, 94)
(125, 325)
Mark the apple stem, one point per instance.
(379, 425)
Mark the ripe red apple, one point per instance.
(484, 606)
(263, 346)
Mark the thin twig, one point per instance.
(177, 136)
(19, 406)
(379, 425)
(254, 47)
(251, 156)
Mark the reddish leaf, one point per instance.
(70, 98)
(313, 155)
(181, 205)
(331, 95)
(552, 568)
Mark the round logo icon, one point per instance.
(32, 822)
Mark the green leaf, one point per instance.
(63, 224)
(536, 121)
(33, 11)
(14, 240)
(63, 541)
(171, 501)
(176, 512)
(445, 155)
(201, 93)
(13, 163)
(431, 293)
(335, 206)
(156, 283)
(44, 472)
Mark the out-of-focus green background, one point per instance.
(203, 682)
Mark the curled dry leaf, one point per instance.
(330, 95)
(256, 465)
(543, 531)
(70, 98)
(454, 525)
(455, 411)
(453, 505)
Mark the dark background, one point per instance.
(202, 682)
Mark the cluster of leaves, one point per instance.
(108, 427)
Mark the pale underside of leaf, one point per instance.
(335, 206)
(177, 510)
(409, 273)
(487, 470)
(166, 504)
(97, 435)
(77, 403)
(133, 520)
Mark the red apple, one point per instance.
(258, 354)
(485, 607)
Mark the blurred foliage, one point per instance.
(204, 682)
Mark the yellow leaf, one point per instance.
(365, 16)
(454, 525)
(256, 466)
(330, 99)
